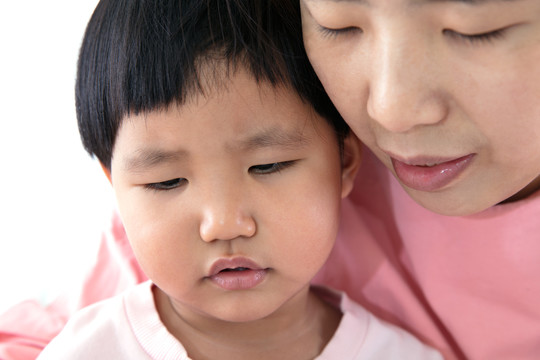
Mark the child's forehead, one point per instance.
(247, 117)
(215, 76)
(215, 79)
(231, 94)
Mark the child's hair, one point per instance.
(143, 55)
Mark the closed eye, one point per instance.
(265, 169)
(476, 38)
(166, 185)
(331, 33)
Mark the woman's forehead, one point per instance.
(412, 2)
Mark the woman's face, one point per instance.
(445, 93)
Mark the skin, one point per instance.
(425, 82)
(247, 171)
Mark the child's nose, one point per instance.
(225, 216)
(405, 87)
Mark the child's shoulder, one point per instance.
(103, 330)
(361, 335)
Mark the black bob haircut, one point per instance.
(141, 55)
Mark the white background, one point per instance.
(54, 200)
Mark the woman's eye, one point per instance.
(476, 38)
(166, 185)
(271, 168)
(331, 33)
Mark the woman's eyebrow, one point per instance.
(472, 2)
(369, 2)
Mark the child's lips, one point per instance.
(236, 273)
(232, 263)
(430, 174)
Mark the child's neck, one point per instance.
(300, 329)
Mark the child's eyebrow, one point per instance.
(148, 158)
(275, 138)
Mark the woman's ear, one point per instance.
(106, 171)
(350, 163)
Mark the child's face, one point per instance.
(248, 177)
(455, 84)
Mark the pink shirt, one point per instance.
(468, 285)
(129, 327)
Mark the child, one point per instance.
(229, 186)
(446, 96)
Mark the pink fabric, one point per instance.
(129, 327)
(468, 285)
(27, 328)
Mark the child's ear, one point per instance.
(106, 171)
(352, 157)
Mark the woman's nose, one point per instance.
(225, 216)
(404, 85)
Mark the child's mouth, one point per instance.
(236, 273)
(235, 269)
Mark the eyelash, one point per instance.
(166, 185)
(332, 33)
(264, 169)
(476, 38)
(473, 38)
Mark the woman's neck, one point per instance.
(300, 329)
(527, 191)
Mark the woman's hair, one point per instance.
(143, 55)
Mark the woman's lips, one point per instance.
(236, 273)
(416, 175)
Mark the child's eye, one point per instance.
(166, 185)
(332, 33)
(271, 168)
(476, 38)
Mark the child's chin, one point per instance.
(243, 313)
